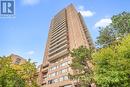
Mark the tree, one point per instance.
(15, 75)
(119, 27)
(29, 74)
(9, 76)
(112, 64)
(121, 23)
(81, 64)
(107, 36)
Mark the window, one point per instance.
(53, 74)
(49, 76)
(52, 81)
(55, 80)
(64, 70)
(63, 78)
(56, 73)
(45, 78)
(63, 64)
(57, 66)
(66, 78)
(53, 68)
(17, 61)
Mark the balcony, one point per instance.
(56, 27)
(45, 76)
(58, 30)
(58, 50)
(45, 65)
(58, 55)
(58, 39)
(59, 19)
(58, 45)
(58, 42)
(45, 69)
(57, 22)
(43, 82)
(58, 34)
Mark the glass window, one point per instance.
(49, 76)
(64, 70)
(66, 78)
(61, 78)
(53, 74)
(50, 81)
(56, 73)
(55, 80)
(63, 64)
(53, 68)
(45, 78)
(17, 61)
(57, 66)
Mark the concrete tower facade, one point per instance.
(67, 31)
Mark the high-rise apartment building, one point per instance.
(67, 31)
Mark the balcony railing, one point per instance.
(58, 39)
(58, 45)
(58, 50)
(58, 55)
(58, 42)
(58, 34)
(45, 69)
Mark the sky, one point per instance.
(26, 34)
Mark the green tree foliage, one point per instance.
(119, 27)
(29, 74)
(112, 64)
(82, 70)
(107, 36)
(121, 23)
(14, 75)
(9, 76)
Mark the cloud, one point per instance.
(103, 22)
(30, 2)
(30, 52)
(85, 13)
